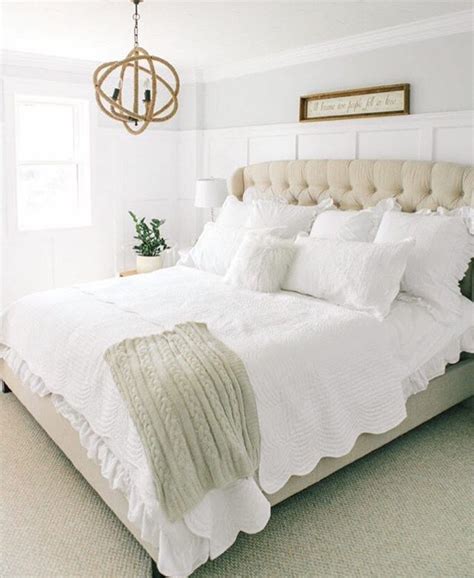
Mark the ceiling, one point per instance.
(198, 34)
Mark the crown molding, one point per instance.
(22, 64)
(15, 63)
(445, 25)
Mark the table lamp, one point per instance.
(210, 194)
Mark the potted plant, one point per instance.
(152, 244)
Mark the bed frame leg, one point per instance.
(155, 573)
(5, 388)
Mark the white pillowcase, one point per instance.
(438, 262)
(295, 218)
(260, 263)
(357, 275)
(251, 194)
(466, 213)
(352, 225)
(216, 247)
(344, 225)
(234, 213)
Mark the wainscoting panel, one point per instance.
(389, 144)
(453, 144)
(147, 165)
(188, 216)
(272, 148)
(225, 155)
(339, 145)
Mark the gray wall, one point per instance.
(439, 70)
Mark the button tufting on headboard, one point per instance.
(357, 184)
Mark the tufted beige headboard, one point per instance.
(358, 184)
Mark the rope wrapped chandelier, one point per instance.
(141, 95)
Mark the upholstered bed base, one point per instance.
(443, 392)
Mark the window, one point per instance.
(52, 152)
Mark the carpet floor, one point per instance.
(403, 511)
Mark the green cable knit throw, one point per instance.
(194, 408)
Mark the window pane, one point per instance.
(48, 196)
(45, 131)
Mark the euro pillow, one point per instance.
(352, 225)
(234, 213)
(216, 247)
(296, 218)
(356, 275)
(260, 263)
(439, 260)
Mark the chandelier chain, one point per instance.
(136, 18)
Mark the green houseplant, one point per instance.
(151, 243)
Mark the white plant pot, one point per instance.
(148, 264)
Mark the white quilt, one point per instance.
(322, 375)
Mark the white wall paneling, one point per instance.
(272, 148)
(337, 145)
(453, 143)
(224, 155)
(439, 136)
(389, 144)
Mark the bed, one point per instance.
(60, 386)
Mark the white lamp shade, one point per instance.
(210, 193)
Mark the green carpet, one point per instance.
(403, 511)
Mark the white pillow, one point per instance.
(296, 218)
(252, 194)
(234, 213)
(260, 263)
(216, 246)
(344, 225)
(357, 275)
(352, 225)
(438, 262)
(466, 213)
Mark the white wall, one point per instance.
(439, 71)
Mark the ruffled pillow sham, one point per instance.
(439, 260)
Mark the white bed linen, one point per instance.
(322, 375)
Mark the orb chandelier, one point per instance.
(141, 94)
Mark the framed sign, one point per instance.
(358, 103)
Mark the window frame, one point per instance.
(80, 159)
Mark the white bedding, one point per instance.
(322, 375)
